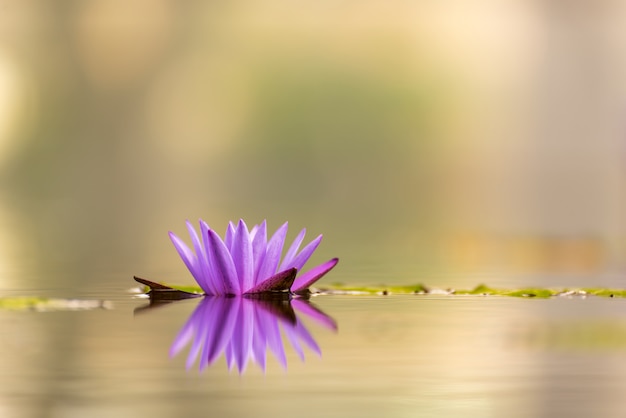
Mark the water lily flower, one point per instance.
(243, 330)
(247, 262)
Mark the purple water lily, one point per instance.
(243, 330)
(246, 262)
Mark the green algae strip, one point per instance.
(480, 290)
(611, 293)
(41, 304)
(421, 289)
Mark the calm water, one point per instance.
(395, 356)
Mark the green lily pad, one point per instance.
(164, 292)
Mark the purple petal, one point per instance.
(300, 260)
(223, 266)
(194, 237)
(291, 253)
(203, 265)
(229, 236)
(305, 280)
(253, 231)
(259, 245)
(315, 314)
(189, 258)
(280, 282)
(215, 286)
(242, 257)
(272, 254)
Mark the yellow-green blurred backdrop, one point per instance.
(419, 137)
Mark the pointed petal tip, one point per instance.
(306, 279)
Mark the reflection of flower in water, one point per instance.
(243, 329)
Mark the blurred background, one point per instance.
(446, 142)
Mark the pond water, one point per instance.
(394, 356)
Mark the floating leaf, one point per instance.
(163, 292)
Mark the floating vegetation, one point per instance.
(480, 290)
(421, 289)
(46, 304)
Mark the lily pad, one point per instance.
(163, 292)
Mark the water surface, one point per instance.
(397, 356)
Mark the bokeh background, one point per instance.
(446, 142)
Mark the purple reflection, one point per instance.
(243, 329)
